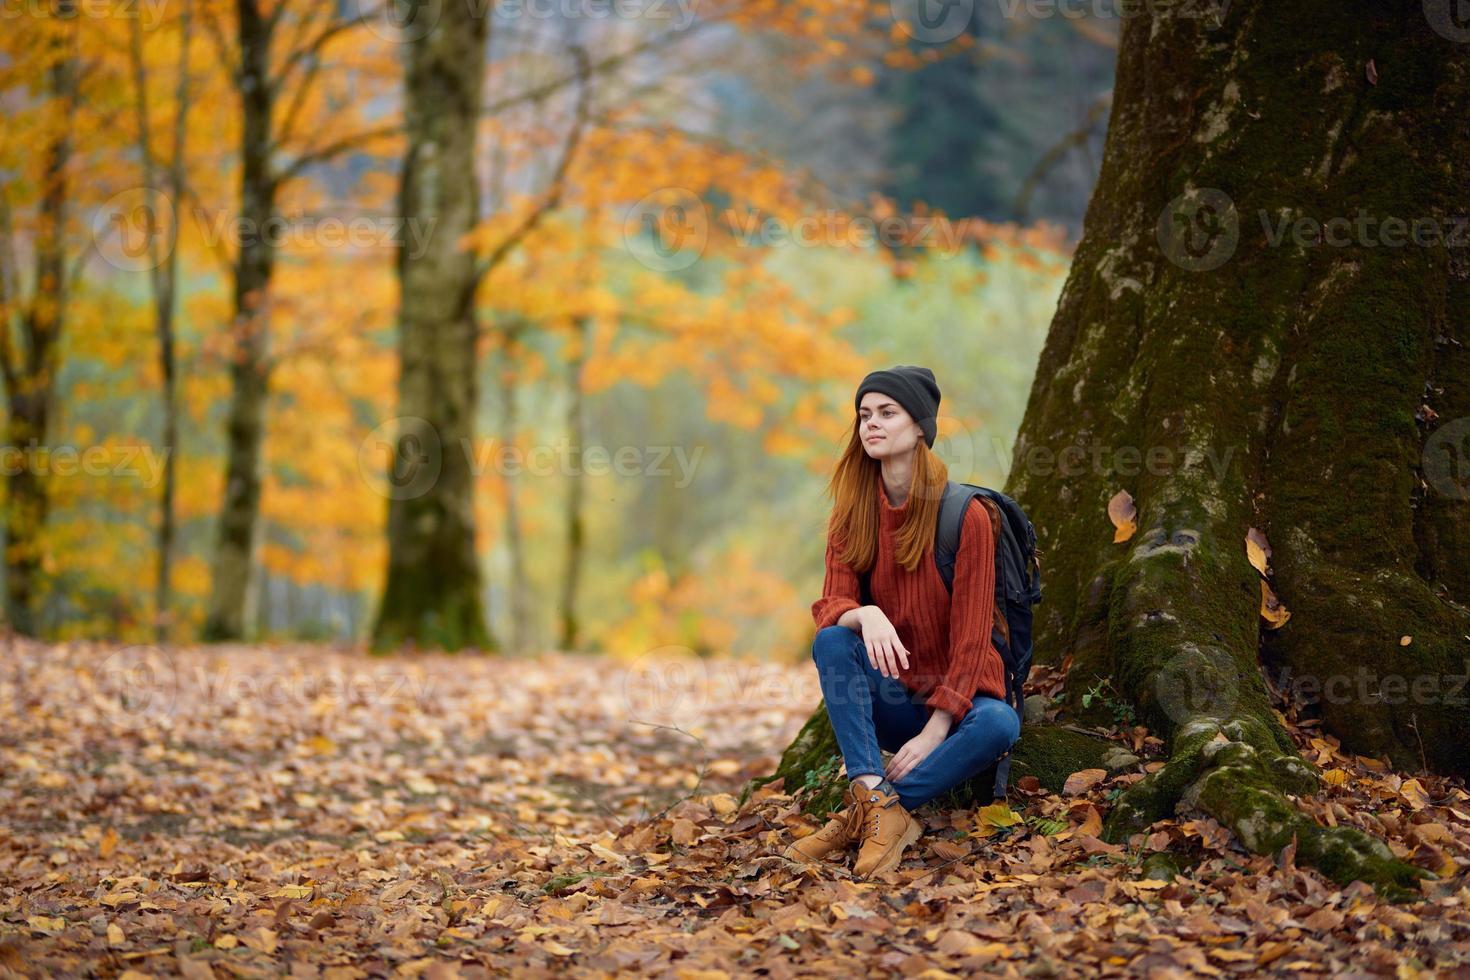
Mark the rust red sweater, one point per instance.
(951, 656)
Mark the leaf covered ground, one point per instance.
(254, 811)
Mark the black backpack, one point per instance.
(1017, 587)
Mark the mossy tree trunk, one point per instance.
(1229, 371)
(432, 593)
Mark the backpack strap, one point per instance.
(947, 530)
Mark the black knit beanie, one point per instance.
(912, 387)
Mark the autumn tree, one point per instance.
(1263, 328)
(164, 173)
(432, 593)
(32, 320)
(276, 56)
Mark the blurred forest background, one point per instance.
(202, 221)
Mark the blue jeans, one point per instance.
(870, 712)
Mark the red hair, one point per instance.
(853, 523)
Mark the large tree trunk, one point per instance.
(31, 372)
(231, 596)
(432, 594)
(1276, 385)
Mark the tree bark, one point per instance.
(576, 492)
(231, 597)
(1230, 373)
(432, 592)
(31, 372)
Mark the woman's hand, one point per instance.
(912, 753)
(885, 650)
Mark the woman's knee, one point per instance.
(995, 718)
(833, 641)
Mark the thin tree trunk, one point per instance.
(576, 491)
(432, 592)
(520, 592)
(30, 374)
(163, 277)
(1229, 377)
(231, 599)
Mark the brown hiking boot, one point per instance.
(886, 830)
(839, 833)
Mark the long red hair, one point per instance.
(853, 524)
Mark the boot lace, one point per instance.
(872, 814)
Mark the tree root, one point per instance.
(1232, 770)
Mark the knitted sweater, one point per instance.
(951, 656)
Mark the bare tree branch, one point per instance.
(558, 179)
(540, 93)
(333, 149)
(1077, 138)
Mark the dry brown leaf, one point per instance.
(1124, 515)
(1082, 781)
(1273, 610)
(1258, 550)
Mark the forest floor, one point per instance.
(259, 811)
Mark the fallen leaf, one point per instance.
(989, 819)
(1123, 513)
(1272, 609)
(1082, 781)
(1258, 550)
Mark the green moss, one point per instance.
(1051, 754)
(1161, 866)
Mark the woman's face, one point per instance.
(885, 428)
